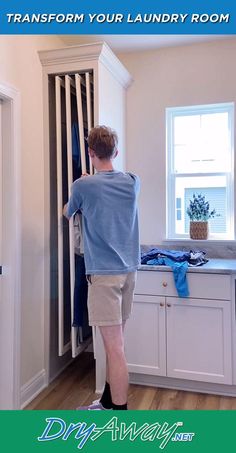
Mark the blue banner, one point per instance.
(103, 17)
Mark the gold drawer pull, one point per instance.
(164, 284)
(168, 305)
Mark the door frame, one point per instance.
(10, 349)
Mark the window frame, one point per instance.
(171, 113)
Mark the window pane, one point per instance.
(178, 214)
(178, 203)
(185, 127)
(186, 146)
(214, 189)
(201, 143)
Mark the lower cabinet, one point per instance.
(145, 336)
(186, 338)
(199, 339)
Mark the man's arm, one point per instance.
(75, 201)
(65, 211)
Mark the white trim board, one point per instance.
(32, 388)
(182, 384)
(11, 251)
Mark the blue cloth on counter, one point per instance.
(159, 261)
(197, 258)
(193, 257)
(176, 255)
(179, 271)
(179, 261)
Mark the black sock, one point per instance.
(119, 407)
(106, 400)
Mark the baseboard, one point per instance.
(182, 384)
(32, 388)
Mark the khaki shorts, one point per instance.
(110, 298)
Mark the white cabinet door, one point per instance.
(145, 336)
(199, 340)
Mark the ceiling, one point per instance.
(128, 43)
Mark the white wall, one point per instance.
(178, 76)
(21, 68)
(111, 106)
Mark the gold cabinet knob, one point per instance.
(162, 304)
(164, 284)
(168, 305)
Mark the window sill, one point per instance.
(188, 241)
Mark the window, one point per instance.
(200, 160)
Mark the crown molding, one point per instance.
(114, 65)
(86, 53)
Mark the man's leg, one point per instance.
(106, 399)
(107, 368)
(105, 304)
(117, 367)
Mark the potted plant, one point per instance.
(199, 213)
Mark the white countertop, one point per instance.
(214, 266)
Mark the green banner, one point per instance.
(139, 431)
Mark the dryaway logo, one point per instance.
(114, 430)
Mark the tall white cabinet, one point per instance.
(109, 81)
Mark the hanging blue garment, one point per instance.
(76, 152)
(76, 145)
(80, 292)
(80, 315)
(179, 272)
(180, 277)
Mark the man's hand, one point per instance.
(65, 211)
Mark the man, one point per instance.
(108, 203)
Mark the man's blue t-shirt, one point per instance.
(108, 202)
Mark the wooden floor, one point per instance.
(75, 387)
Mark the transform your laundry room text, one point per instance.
(118, 18)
